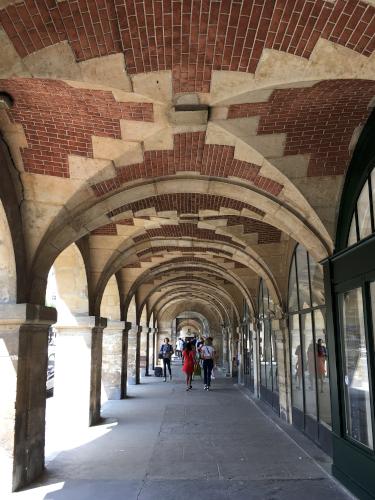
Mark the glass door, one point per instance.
(248, 358)
(355, 366)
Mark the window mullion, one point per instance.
(371, 201)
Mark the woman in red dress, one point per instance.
(188, 356)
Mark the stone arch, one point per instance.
(162, 269)
(196, 280)
(151, 319)
(67, 285)
(131, 312)
(197, 325)
(247, 257)
(93, 215)
(11, 231)
(8, 274)
(67, 291)
(110, 305)
(202, 296)
(196, 285)
(176, 306)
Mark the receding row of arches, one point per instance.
(299, 335)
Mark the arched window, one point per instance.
(308, 348)
(350, 275)
(363, 223)
(269, 387)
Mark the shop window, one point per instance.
(248, 362)
(323, 383)
(308, 347)
(296, 361)
(362, 223)
(350, 278)
(303, 278)
(293, 299)
(356, 376)
(317, 283)
(267, 348)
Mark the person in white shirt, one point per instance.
(208, 355)
(180, 343)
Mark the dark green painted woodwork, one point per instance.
(349, 268)
(363, 161)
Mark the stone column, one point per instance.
(240, 366)
(143, 334)
(154, 350)
(78, 363)
(233, 345)
(23, 372)
(256, 359)
(133, 355)
(279, 326)
(226, 360)
(148, 350)
(124, 363)
(112, 359)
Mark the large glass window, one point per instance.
(296, 361)
(303, 278)
(267, 341)
(363, 224)
(308, 347)
(248, 361)
(372, 294)
(293, 299)
(322, 373)
(355, 364)
(317, 283)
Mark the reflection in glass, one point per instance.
(263, 376)
(275, 382)
(303, 277)
(317, 282)
(353, 232)
(296, 362)
(356, 380)
(265, 299)
(324, 398)
(309, 367)
(251, 357)
(267, 350)
(363, 210)
(372, 294)
(373, 189)
(246, 358)
(292, 302)
(267, 382)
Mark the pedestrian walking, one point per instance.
(208, 356)
(181, 346)
(165, 353)
(188, 356)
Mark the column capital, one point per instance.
(81, 322)
(100, 322)
(114, 324)
(127, 326)
(27, 313)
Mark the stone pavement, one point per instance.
(166, 443)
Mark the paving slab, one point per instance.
(168, 444)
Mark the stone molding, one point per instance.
(11, 314)
(114, 325)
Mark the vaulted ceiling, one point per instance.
(190, 144)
